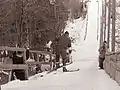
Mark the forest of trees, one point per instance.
(31, 23)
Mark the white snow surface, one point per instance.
(85, 58)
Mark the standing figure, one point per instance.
(64, 43)
(102, 52)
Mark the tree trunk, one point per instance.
(109, 21)
(113, 23)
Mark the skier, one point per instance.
(64, 43)
(102, 52)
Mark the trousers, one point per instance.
(63, 54)
(101, 60)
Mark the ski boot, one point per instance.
(64, 69)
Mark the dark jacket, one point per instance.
(64, 42)
(102, 52)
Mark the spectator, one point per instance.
(63, 44)
(102, 52)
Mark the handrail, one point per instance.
(13, 66)
(12, 48)
(42, 52)
(27, 64)
(113, 53)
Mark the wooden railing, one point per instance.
(9, 66)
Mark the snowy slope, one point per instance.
(88, 78)
(89, 47)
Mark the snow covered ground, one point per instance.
(85, 58)
(89, 47)
(88, 78)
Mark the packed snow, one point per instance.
(85, 58)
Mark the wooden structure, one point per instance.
(109, 10)
(10, 67)
(43, 62)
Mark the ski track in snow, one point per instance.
(85, 58)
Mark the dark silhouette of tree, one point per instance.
(31, 22)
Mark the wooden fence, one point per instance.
(9, 66)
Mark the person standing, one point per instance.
(64, 43)
(102, 52)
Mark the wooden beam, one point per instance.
(109, 21)
(13, 66)
(101, 27)
(12, 48)
(35, 63)
(42, 52)
(105, 9)
(113, 24)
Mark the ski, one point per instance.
(73, 70)
(58, 68)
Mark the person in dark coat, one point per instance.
(18, 59)
(63, 44)
(102, 52)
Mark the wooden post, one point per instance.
(26, 71)
(109, 22)
(21, 24)
(105, 21)
(101, 29)
(113, 23)
(98, 20)
(55, 10)
(51, 64)
(37, 57)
